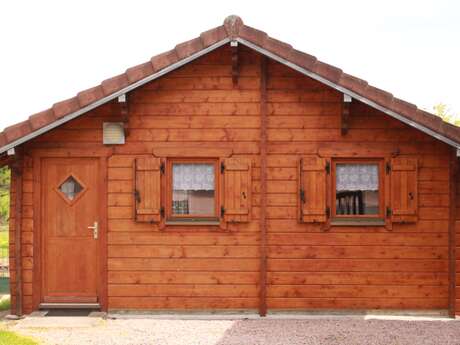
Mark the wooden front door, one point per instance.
(71, 195)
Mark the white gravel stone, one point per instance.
(251, 332)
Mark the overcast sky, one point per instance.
(50, 50)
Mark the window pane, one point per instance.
(193, 189)
(70, 188)
(357, 189)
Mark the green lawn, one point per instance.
(4, 241)
(5, 303)
(4, 236)
(10, 338)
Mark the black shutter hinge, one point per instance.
(328, 212)
(222, 211)
(137, 196)
(328, 167)
(302, 196)
(222, 167)
(162, 211)
(388, 212)
(388, 167)
(162, 168)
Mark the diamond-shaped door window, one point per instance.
(70, 188)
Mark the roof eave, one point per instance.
(207, 50)
(112, 96)
(350, 93)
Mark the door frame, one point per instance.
(38, 155)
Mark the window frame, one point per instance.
(381, 164)
(170, 217)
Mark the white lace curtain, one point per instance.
(193, 177)
(353, 177)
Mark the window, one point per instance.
(357, 189)
(70, 189)
(192, 186)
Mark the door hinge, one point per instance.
(222, 211)
(302, 196)
(388, 167)
(388, 212)
(222, 167)
(328, 167)
(328, 212)
(137, 196)
(162, 168)
(162, 211)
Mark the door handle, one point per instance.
(95, 229)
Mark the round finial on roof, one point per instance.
(233, 24)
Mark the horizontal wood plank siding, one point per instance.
(27, 238)
(349, 267)
(185, 268)
(203, 267)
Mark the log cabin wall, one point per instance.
(209, 268)
(350, 267)
(178, 267)
(27, 225)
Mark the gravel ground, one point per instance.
(251, 332)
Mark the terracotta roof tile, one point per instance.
(233, 28)
(403, 107)
(449, 130)
(185, 49)
(114, 84)
(210, 37)
(302, 59)
(66, 107)
(41, 119)
(163, 60)
(353, 84)
(379, 96)
(232, 25)
(253, 35)
(327, 71)
(139, 72)
(277, 47)
(17, 131)
(90, 95)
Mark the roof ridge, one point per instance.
(233, 28)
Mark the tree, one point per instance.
(443, 111)
(5, 180)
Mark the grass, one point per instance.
(5, 303)
(4, 246)
(4, 241)
(10, 338)
(4, 236)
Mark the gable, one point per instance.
(234, 30)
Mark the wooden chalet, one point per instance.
(233, 172)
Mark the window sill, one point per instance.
(358, 222)
(191, 222)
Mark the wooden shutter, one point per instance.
(313, 189)
(236, 189)
(147, 190)
(404, 198)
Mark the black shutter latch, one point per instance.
(137, 196)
